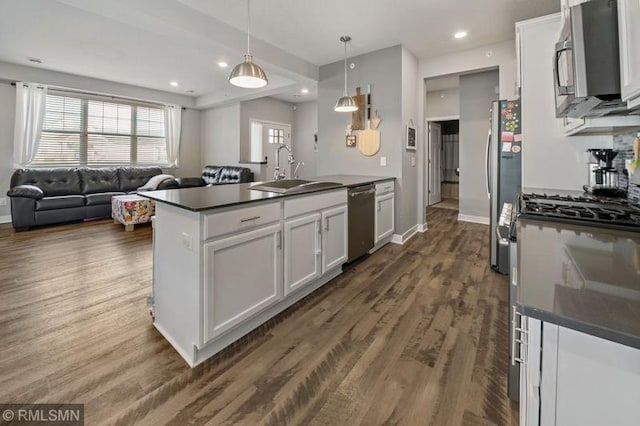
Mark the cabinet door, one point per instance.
(242, 276)
(384, 216)
(629, 30)
(302, 246)
(334, 238)
(530, 373)
(597, 381)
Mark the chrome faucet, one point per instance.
(278, 173)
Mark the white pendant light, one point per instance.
(346, 102)
(247, 74)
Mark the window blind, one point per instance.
(81, 130)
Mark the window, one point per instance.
(90, 131)
(276, 136)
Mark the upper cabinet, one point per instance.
(629, 30)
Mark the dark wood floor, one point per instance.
(414, 334)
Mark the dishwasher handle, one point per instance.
(369, 191)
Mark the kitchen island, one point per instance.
(578, 299)
(227, 258)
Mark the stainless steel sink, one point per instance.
(286, 186)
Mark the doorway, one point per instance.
(444, 163)
(266, 138)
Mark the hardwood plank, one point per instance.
(413, 334)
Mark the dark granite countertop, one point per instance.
(580, 277)
(350, 180)
(218, 196)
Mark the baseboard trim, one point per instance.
(5, 219)
(473, 219)
(403, 238)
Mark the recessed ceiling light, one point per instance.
(34, 60)
(460, 34)
(304, 91)
(223, 64)
(174, 83)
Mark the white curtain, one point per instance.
(173, 120)
(30, 103)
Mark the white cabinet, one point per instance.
(242, 276)
(572, 378)
(334, 238)
(629, 31)
(302, 241)
(384, 217)
(529, 356)
(315, 240)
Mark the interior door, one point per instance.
(274, 135)
(435, 163)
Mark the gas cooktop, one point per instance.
(614, 213)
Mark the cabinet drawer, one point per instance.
(240, 219)
(385, 187)
(314, 202)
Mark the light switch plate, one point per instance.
(187, 241)
(383, 161)
(3, 201)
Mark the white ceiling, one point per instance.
(311, 29)
(149, 43)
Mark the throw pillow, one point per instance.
(154, 182)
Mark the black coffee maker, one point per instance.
(603, 176)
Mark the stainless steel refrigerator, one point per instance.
(503, 165)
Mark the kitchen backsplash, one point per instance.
(623, 143)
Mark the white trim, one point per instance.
(189, 357)
(422, 227)
(473, 219)
(446, 118)
(401, 239)
(5, 219)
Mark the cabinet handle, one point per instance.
(249, 219)
(279, 240)
(519, 343)
(326, 224)
(379, 206)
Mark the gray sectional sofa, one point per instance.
(57, 195)
(46, 196)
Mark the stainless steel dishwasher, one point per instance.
(361, 220)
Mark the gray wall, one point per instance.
(383, 70)
(476, 93)
(265, 109)
(442, 103)
(221, 136)
(7, 115)
(407, 197)
(305, 125)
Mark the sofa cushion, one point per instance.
(101, 198)
(132, 178)
(211, 174)
(190, 182)
(52, 181)
(60, 202)
(99, 180)
(28, 191)
(226, 174)
(153, 183)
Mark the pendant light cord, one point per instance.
(248, 27)
(345, 68)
